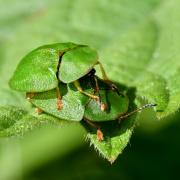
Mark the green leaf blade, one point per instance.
(137, 49)
(116, 138)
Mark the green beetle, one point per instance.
(59, 74)
(43, 68)
(78, 107)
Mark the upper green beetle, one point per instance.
(43, 68)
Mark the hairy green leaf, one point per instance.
(165, 61)
(139, 49)
(15, 121)
(116, 137)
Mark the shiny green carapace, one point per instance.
(39, 69)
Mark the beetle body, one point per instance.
(47, 71)
(77, 106)
(41, 69)
(45, 67)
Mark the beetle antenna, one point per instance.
(137, 110)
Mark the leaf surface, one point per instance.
(138, 46)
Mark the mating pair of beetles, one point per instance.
(60, 79)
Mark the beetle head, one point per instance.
(91, 73)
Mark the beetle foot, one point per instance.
(59, 104)
(100, 136)
(103, 106)
(29, 96)
(38, 110)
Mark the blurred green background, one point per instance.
(63, 153)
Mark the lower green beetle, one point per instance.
(78, 107)
(43, 68)
(60, 79)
